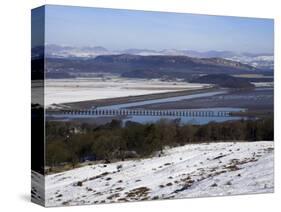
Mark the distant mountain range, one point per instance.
(259, 60)
(138, 66)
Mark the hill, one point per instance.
(227, 168)
(224, 80)
(136, 66)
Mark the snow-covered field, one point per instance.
(263, 84)
(197, 170)
(81, 89)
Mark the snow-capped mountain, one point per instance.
(57, 51)
(258, 60)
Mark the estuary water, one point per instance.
(163, 100)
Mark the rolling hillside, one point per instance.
(196, 170)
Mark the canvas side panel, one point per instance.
(37, 105)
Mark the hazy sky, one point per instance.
(123, 29)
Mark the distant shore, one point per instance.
(129, 99)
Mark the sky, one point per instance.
(125, 29)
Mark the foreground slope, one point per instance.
(196, 170)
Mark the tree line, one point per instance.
(74, 142)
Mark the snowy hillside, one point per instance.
(259, 61)
(196, 170)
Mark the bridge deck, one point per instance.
(130, 112)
